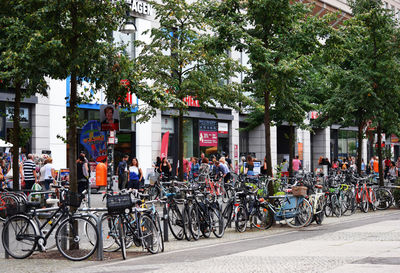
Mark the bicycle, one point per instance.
(23, 234)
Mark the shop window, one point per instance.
(24, 114)
(347, 143)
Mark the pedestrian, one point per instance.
(185, 168)
(204, 167)
(296, 165)
(393, 171)
(82, 179)
(242, 164)
(363, 166)
(135, 175)
(387, 163)
(122, 172)
(285, 168)
(228, 162)
(165, 169)
(213, 167)
(224, 170)
(48, 174)
(29, 172)
(157, 164)
(194, 171)
(249, 169)
(376, 166)
(264, 166)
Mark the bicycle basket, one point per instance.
(117, 204)
(15, 208)
(299, 191)
(73, 199)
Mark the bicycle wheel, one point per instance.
(328, 207)
(7, 201)
(299, 216)
(373, 200)
(228, 194)
(216, 222)
(364, 202)
(186, 223)
(159, 230)
(21, 234)
(262, 218)
(227, 214)
(110, 233)
(241, 219)
(194, 222)
(319, 214)
(121, 238)
(149, 234)
(384, 199)
(73, 242)
(154, 192)
(175, 222)
(336, 206)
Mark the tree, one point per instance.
(277, 36)
(181, 59)
(364, 76)
(27, 56)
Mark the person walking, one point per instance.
(296, 165)
(48, 174)
(285, 168)
(122, 172)
(194, 170)
(165, 169)
(29, 172)
(82, 179)
(223, 170)
(393, 171)
(249, 169)
(135, 175)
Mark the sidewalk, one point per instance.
(50, 265)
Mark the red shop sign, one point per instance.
(208, 138)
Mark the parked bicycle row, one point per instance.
(199, 208)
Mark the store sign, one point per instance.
(207, 139)
(94, 140)
(394, 139)
(190, 101)
(222, 128)
(140, 7)
(208, 125)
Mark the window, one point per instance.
(24, 114)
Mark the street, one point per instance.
(361, 242)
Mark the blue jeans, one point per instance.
(46, 185)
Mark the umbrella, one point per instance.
(5, 144)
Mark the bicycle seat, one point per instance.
(318, 186)
(33, 204)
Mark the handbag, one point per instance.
(9, 175)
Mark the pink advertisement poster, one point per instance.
(208, 138)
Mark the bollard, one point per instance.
(100, 253)
(165, 220)
(6, 242)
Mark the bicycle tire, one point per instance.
(149, 234)
(175, 222)
(300, 216)
(110, 233)
(227, 214)
(336, 206)
(15, 228)
(160, 232)
(186, 223)
(217, 222)
(364, 204)
(241, 219)
(70, 237)
(121, 238)
(373, 200)
(194, 222)
(384, 199)
(263, 218)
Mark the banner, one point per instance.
(164, 145)
(94, 140)
(208, 138)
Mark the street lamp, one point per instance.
(129, 27)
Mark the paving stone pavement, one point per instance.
(343, 244)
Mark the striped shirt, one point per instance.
(29, 167)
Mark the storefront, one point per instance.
(343, 143)
(202, 133)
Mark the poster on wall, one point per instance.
(94, 140)
(109, 116)
(208, 138)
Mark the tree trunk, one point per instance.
(16, 136)
(291, 149)
(379, 131)
(72, 114)
(360, 135)
(180, 145)
(267, 124)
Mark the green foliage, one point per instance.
(181, 57)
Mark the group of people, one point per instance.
(130, 175)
